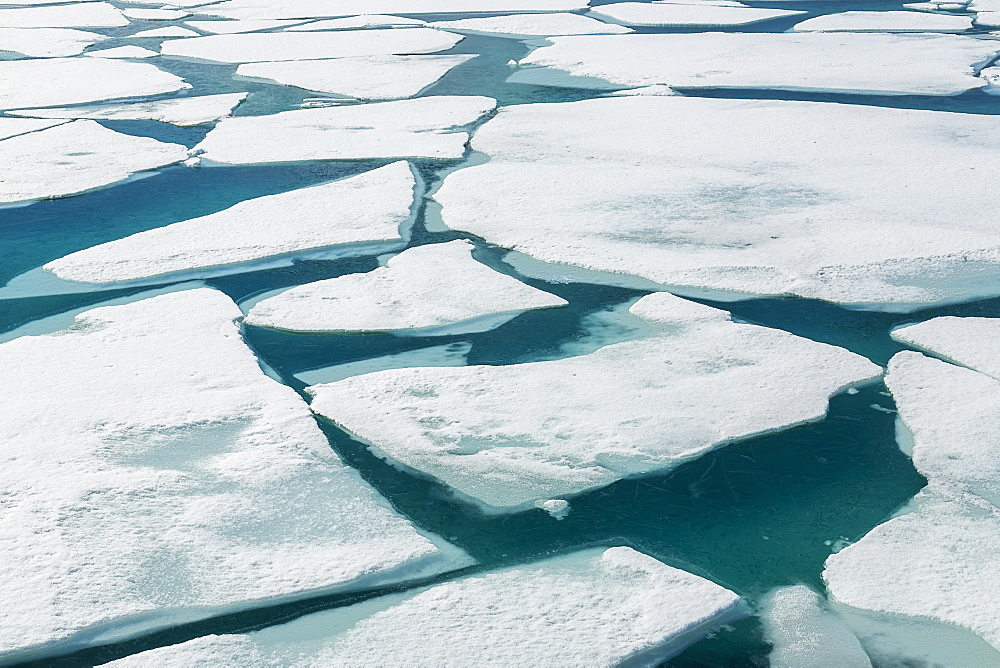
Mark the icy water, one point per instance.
(751, 516)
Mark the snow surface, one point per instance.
(355, 215)
(510, 435)
(362, 21)
(970, 342)
(72, 158)
(430, 286)
(130, 51)
(805, 635)
(259, 47)
(679, 15)
(536, 615)
(78, 80)
(231, 27)
(47, 42)
(307, 9)
(75, 15)
(532, 25)
(156, 14)
(184, 111)
(364, 77)
(11, 127)
(169, 31)
(420, 128)
(153, 475)
(900, 21)
(748, 196)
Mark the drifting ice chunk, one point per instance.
(170, 31)
(420, 128)
(885, 22)
(532, 25)
(828, 62)
(232, 27)
(753, 197)
(153, 476)
(52, 81)
(259, 47)
(433, 289)
(363, 21)
(971, 342)
(541, 614)
(365, 77)
(76, 15)
(156, 14)
(47, 42)
(507, 436)
(73, 158)
(452, 354)
(804, 635)
(183, 111)
(694, 14)
(369, 209)
(308, 9)
(130, 51)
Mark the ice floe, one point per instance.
(532, 25)
(169, 31)
(364, 214)
(422, 128)
(156, 14)
(971, 342)
(75, 15)
(362, 21)
(50, 81)
(232, 27)
(47, 42)
(364, 77)
(153, 475)
(892, 21)
(129, 51)
(184, 111)
(259, 47)
(507, 436)
(805, 635)
(451, 354)
(72, 158)
(694, 14)
(11, 127)
(539, 614)
(307, 9)
(427, 290)
(739, 197)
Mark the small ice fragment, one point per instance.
(803, 634)
(852, 390)
(557, 508)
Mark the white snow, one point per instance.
(47, 42)
(532, 25)
(419, 128)
(680, 15)
(153, 475)
(362, 21)
(72, 158)
(507, 436)
(364, 77)
(51, 81)
(595, 607)
(361, 214)
(260, 47)
(129, 51)
(308, 9)
(740, 197)
(156, 14)
(75, 15)
(451, 354)
(892, 21)
(805, 635)
(169, 31)
(231, 27)
(970, 342)
(184, 111)
(434, 289)
(11, 127)
(831, 62)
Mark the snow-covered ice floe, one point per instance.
(47, 42)
(184, 111)
(426, 127)
(153, 475)
(74, 15)
(254, 47)
(740, 197)
(805, 635)
(365, 214)
(532, 25)
(72, 158)
(361, 21)
(862, 63)
(231, 27)
(169, 31)
(683, 15)
(427, 290)
(595, 607)
(970, 342)
(308, 9)
(128, 51)
(156, 14)
(896, 21)
(506, 436)
(365, 77)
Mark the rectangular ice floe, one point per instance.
(843, 63)
(506, 436)
(75, 15)
(970, 342)
(805, 635)
(532, 25)
(194, 110)
(680, 15)
(169, 31)
(128, 51)
(307, 9)
(365, 214)
(361, 21)
(597, 607)
(886, 22)
(153, 475)
(47, 42)
(422, 128)
(232, 27)
(741, 197)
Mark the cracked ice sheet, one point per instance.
(47, 42)
(364, 77)
(73, 158)
(365, 214)
(970, 342)
(76, 15)
(232, 27)
(420, 128)
(259, 47)
(805, 635)
(153, 475)
(740, 197)
(680, 15)
(540, 614)
(860, 63)
(532, 25)
(308, 9)
(183, 111)
(897, 21)
(52, 81)
(437, 287)
(506, 436)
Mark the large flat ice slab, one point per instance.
(832, 62)
(596, 607)
(231, 27)
(127, 51)
(364, 77)
(751, 197)
(438, 286)
(532, 25)
(681, 15)
(169, 31)
(47, 42)
(184, 111)
(421, 128)
(74, 15)
(308, 9)
(255, 47)
(970, 342)
(72, 158)
(898, 21)
(803, 634)
(360, 21)
(153, 475)
(362, 214)
(507, 436)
